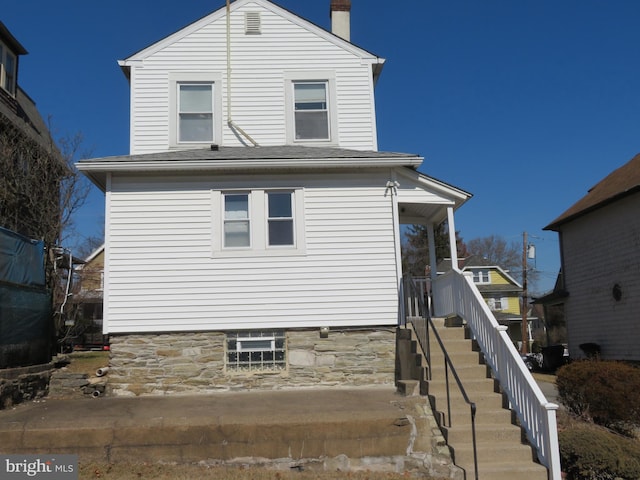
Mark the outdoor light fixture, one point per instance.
(324, 332)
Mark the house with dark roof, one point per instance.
(31, 165)
(599, 289)
(253, 233)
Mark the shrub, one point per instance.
(593, 454)
(604, 392)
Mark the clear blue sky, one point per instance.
(524, 103)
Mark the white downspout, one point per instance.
(232, 125)
(433, 259)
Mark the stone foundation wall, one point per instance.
(194, 363)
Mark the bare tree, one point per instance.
(497, 251)
(415, 248)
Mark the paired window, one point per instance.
(256, 351)
(8, 66)
(481, 276)
(258, 220)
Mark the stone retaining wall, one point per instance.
(24, 383)
(194, 363)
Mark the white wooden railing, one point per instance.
(454, 293)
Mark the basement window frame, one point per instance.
(263, 351)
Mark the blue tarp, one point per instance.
(21, 259)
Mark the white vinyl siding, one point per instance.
(163, 276)
(259, 65)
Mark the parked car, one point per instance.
(548, 359)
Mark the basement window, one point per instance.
(261, 350)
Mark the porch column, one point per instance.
(433, 259)
(453, 248)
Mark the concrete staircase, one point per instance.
(501, 446)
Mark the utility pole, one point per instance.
(525, 330)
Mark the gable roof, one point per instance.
(477, 262)
(288, 157)
(377, 62)
(618, 184)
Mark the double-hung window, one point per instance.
(280, 219)
(311, 107)
(195, 106)
(195, 112)
(311, 110)
(237, 220)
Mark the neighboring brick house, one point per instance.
(599, 288)
(253, 233)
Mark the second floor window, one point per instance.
(311, 110)
(7, 70)
(195, 112)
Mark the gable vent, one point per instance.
(252, 23)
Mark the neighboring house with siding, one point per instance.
(600, 256)
(87, 300)
(253, 233)
(501, 292)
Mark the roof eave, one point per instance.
(97, 171)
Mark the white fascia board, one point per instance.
(457, 196)
(237, 4)
(97, 170)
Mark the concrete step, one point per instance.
(501, 453)
(498, 457)
(527, 471)
(492, 432)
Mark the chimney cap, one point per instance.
(340, 6)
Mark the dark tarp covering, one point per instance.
(25, 304)
(21, 259)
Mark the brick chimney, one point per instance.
(340, 14)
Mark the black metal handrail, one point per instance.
(414, 307)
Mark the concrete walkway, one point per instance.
(292, 425)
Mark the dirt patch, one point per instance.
(87, 362)
(201, 472)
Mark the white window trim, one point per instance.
(332, 105)
(176, 78)
(258, 209)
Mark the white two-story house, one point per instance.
(253, 233)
